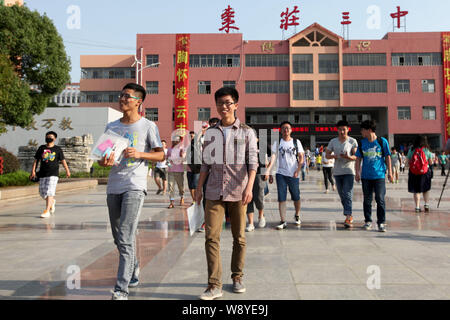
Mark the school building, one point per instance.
(313, 79)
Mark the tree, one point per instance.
(33, 65)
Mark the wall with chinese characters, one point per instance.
(66, 122)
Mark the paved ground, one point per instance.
(321, 260)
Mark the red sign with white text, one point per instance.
(182, 82)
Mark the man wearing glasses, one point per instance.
(127, 182)
(232, 172)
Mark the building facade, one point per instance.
(69, 97)
(312, 79)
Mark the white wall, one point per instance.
(83, 120)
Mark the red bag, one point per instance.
(418, 164)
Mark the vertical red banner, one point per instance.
(446, 67)
(182, 82)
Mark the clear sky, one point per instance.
(110, 27)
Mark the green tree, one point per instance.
(33, 65)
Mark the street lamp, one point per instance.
(138, 63)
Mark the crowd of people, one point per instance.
(234, 180)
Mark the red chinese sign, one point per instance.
(313, 128)
(182, 82)
(1, 165)
(397, 15)
(345, 18)
(289, 18)
(227, 20)
(446, 66)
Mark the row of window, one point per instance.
(302, 63)
(428, 113)
(304, 90)
(62, 99)
(108, 73)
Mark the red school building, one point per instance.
(313, 79)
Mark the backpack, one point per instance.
(418, 164)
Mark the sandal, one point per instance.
(171, 206)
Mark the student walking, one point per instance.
(230, 185)
(288, 154)
(49, 156)
(176, 156)
(327, 169)
(420, 173)
(396, 163)
(127, 183)
(343, 150)
(161, 173)
(375, 156)
(443, 162)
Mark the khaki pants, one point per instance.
(214, 216)
(177, 177)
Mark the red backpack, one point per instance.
(418, 164)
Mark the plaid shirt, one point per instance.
(229, 162)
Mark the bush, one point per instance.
(10, 162)
(18, 178)
(99, 172)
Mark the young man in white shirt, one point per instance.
(290, 156)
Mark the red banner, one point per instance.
(182, 83)
(446, 66)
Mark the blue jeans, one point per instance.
(124, 210)
(283, 182)
(192, 179)
(344, 185)
(379, 187)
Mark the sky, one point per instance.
(90, 27)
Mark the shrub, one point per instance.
(18, 178)
(10, 162)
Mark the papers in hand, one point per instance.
(196, 217)
(107, 143)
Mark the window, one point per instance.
(151, 114)
(302, 63)
(404, 113)
(352, 118)
(329, 90)
(274, 86)
(365, 86)
(152, 87)
(428, 86)
(214, 60)
(204, 87)
(328, 63)
(303, 90)
(152, 59)
(204, 114)
(267, 60)
(364, 59)
(417, 59)
(429, 113)
(403, 86)
(230, 84)
(100, 96)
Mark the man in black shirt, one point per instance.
(49, 156)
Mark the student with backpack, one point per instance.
(420, 172)
(375, 156)
(289, 155)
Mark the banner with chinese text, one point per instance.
(446, 66)
(182, 82)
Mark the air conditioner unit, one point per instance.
(424, 82)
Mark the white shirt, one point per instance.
(287, 163)
(327, 163)
(225, 131)
(162, 164)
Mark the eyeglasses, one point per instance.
(127, 96)
(228, 104)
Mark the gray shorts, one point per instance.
(47, 187)
(258, 195)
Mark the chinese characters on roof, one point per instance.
(227, 20)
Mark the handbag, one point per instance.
(36, 177)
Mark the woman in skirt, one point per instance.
(420, 183)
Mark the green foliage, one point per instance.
(10, 162)
(31, 53)
(18, 178)
(99, 172)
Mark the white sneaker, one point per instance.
(118, 295)
(250, 228)
(53, 208)
(262, 223)
(297, 220)
(46, 214)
